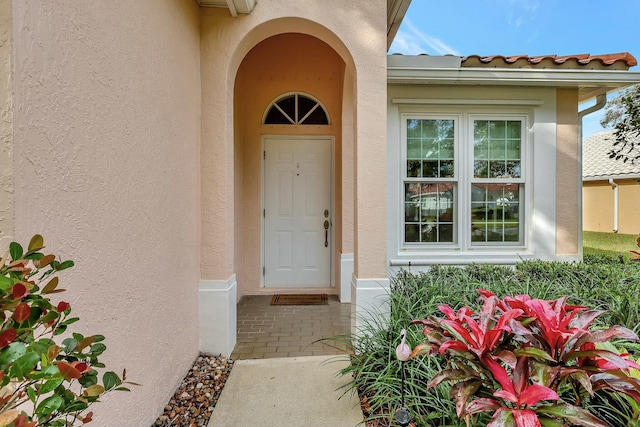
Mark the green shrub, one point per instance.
(49, 379)
(375, 372)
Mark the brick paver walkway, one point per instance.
(266, 330)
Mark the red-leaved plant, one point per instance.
(44, 382)
(636, 254)
(519, 356)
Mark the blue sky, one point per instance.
(522, 27)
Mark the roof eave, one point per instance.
(608, 177)
(235, 6)
(396, 9)
(590, 82)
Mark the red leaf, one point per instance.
(453, 345)
(21, 421)
(62, 306)
(526, 418)
(535, 393)
(506, 395)
(19, 291)
(459, 332)
(87, 418)
(502, 418)
(584, 319)
(499, 373)
(82, 367)
(448, 311)
(482, 405)
(520, 375)
(7, 336)
(22, 312)
(613, 332)
(68, 371)
(463, 390)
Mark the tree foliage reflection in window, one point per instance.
(296, 109)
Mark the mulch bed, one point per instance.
(198, 393)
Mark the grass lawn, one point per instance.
(612, 244)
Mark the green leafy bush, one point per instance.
(47, 380)
(375, 373)
(527, 362)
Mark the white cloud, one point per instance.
(520, 12)
(412, 41)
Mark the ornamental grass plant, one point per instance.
(612, 288)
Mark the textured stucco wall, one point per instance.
(358, 35)
(598, 203)
(6, 128)
(568, 174)
(107, 131)
(280, 64)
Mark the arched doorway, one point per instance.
(288, 99)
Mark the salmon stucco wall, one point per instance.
(279, 64)
(106, 114)
(6, 128)
(568, 174)
(598, 206)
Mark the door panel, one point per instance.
(297, 191)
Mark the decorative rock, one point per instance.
(198, 393)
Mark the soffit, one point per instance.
(396, 9)
(591, 74)
(235, 6)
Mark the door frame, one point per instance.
(331, 140)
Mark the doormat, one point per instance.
(303, 299)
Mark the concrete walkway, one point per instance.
(286, 392)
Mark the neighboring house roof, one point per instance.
(596, 163)
(593, 75)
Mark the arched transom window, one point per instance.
(296, 109)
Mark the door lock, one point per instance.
(326, 232)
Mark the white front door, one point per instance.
(297, 216)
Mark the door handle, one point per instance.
(326, 233)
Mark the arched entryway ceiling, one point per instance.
(289, 25)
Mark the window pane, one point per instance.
(275, 117)
(414, 128)
(497, 129)
(304, 106)
(317, 117)
(499, 142)
(495, 212)
(430, 142)
(429, 212)
(288, 105)
(513, 149)
(514, 129)
(414, 148)
(481, 169)
(413, 168)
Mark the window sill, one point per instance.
(457, 257)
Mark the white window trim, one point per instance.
(462, 247)
(404, 178)
(471, 117)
